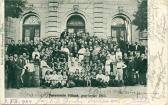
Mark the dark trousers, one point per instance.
(10, 80)
(18, 82)
(94, 83)
(142, 78)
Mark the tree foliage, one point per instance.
(141, 16)
(14, 8)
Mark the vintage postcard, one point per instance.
(84, 52)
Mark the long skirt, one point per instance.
(119, 74)
(107, 68)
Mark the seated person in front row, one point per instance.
(93, 79)
(76, 77)
(64, 79)
(54, 79)
(81, 79)
(102, 79)
(99, 78)
(70, 82)
(60, 78)
(47, 78)
(112, 79)
(106, 79)
(88, 79)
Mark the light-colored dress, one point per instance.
(81, 53)
(107, 66)
(44, 67)
(119, 70)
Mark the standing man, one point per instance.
(137, 47)
(11, 48)
(143, 70)
(10, 72)
(137, 61)
(64, 34)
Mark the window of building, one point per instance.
(31, 28)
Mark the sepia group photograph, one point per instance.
(75, 48)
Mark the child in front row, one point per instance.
(106, 79)
(88, 79)
(47, 78)
(64, 79)
(60, 78)
(54, 79)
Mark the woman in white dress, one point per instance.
(44, 67)
(81, 53)
(107, 65)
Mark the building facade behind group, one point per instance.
(102, 18)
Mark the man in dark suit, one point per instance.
(64, 34)
(10, 72)
(11, 49)
(136, 47)
(19, 47)
(138, 65)
(131, 47)
(30, 48)
(142, 49)
(143, 70)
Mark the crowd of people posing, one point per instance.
(75, 60)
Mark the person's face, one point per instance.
(35, 49)
(31, 41)
(19, 42)
(138, 54)
(13, 42)
(72, 63)
(130, 59)
(11, 58)
(15, 56)
(111, 73)
(21, 56)
(31, 61)
(106, 73)
(100, 72)
(142, 56)
(48, 72)
(112, 53)
(125, 54)
(64, 73)
(131, 53)
(54, 72)
(24, 54)
(136, 43)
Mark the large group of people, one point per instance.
(75, 60)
